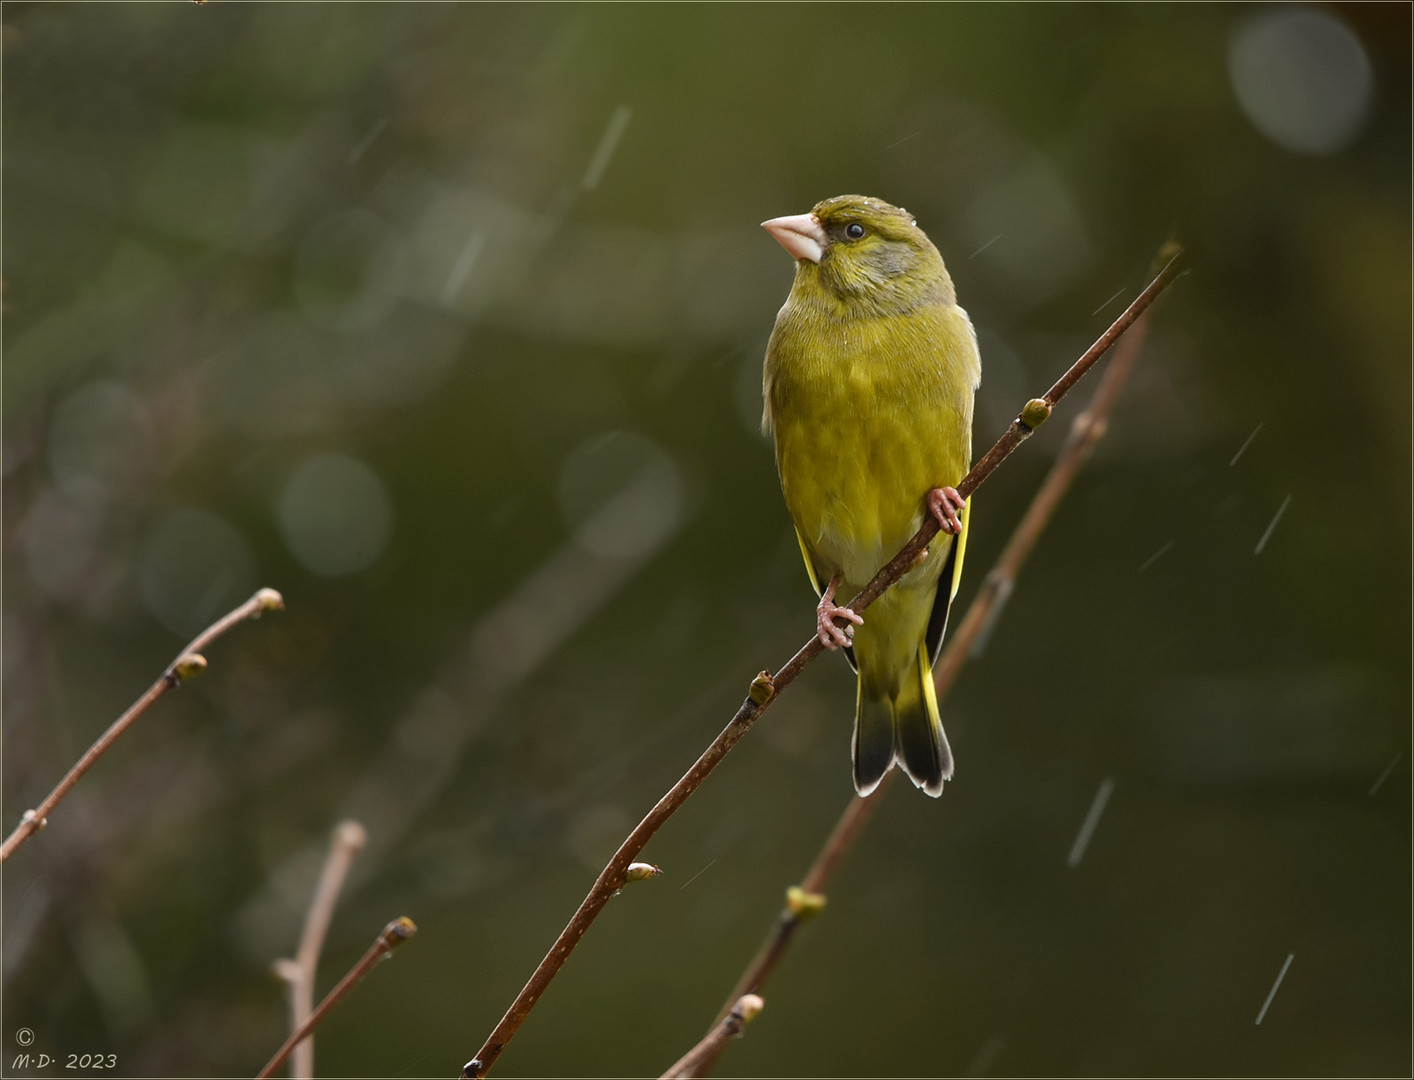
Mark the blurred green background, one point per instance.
(447, 321)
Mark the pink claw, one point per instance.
(826, 612)
(944, 503)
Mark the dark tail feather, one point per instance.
(923, 749)
(873, 749)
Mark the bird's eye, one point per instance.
(854, 230)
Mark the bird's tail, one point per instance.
(901, 726)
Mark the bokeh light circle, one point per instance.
(335, 515)
(1302, 78)
(99, 440)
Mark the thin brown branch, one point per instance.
(803, 903)
(188, 662)
(393, 935)
(808, 898)
(347, 840)
(729, 1027)
(765, 688)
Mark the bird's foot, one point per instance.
(944, 504)
(827, 611)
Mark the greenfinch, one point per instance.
(869, 378)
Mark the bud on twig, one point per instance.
(185, 666)
(267, 600)
(286, 970)
(397, 931)
(763, 688)
(804, 905)
(746, 1009)
(641, 871)
(351, 836)
(1035, 413)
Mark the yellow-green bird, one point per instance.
(869, 379)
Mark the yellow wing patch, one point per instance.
(810, 566)
(961, 542)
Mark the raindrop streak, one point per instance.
(1108, 302)
(1385, 775)
(697, 875)
(910, 135)
(1268, 534)
(367, 141)
(1280, 975)
(471, 251)
(1243, 448)
(985, 246)
(1152, 559)
(618, 124)
(1082, 841)
(986, 1057)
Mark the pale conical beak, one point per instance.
(800, 234)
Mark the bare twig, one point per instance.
(188, 662)
(393, 935)
(348, 839)
(729, 1027)
(766, 687)
(808, 898)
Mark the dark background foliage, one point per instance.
(447, 321)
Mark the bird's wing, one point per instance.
(947, 588)
(809, 565)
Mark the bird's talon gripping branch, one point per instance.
(944, 503)
(826, 612)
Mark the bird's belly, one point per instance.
(858, 485)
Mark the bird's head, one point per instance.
(860, 252)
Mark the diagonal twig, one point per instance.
(393, 935)
(766, 687)
(348, 839)
(727, 1028)
(188, 662)
(807, 899)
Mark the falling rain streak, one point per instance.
(1092, 819)
(1243, 448)
(1108, 302)
(900, 142)
(1152, 559)
(986, 1057)
(697, 875)
(618, 124)
(985, 246)
(471, 251)
(1268, 534)
(364, 143)
(1385, 775)
(1280, 975)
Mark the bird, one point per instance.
(868, 386)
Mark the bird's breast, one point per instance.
(867, 419)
